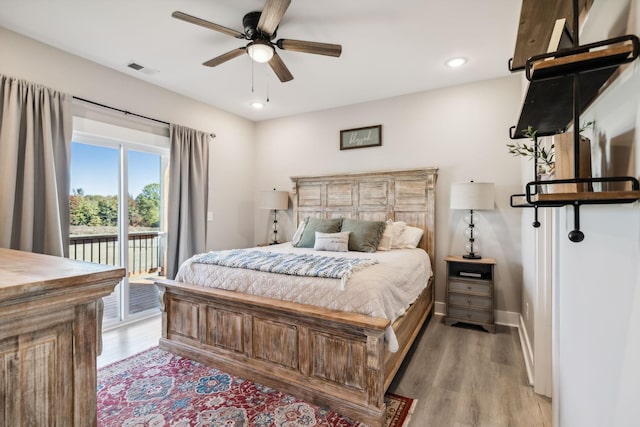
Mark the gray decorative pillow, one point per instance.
(336, 242)
(365, 235)
(323, 225)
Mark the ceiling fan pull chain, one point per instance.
(266, 78)
(252, 77)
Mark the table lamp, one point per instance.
(274, 200)
(472, 196)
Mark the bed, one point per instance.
(328, 357)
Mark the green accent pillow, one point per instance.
(365, 235)
(323, 225)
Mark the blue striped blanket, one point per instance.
(286, 263)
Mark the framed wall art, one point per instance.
(370, 136)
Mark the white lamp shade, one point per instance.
(274, 200)
(472, 195)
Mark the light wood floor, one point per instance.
(461, 376)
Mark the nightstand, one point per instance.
(470, 291)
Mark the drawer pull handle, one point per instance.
(468, 314)
(468, 286)
(469, 300)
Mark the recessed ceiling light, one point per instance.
(456, 62)
(257, 105)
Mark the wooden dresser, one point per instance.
(49, 331)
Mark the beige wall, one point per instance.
(232, 151)
(462, 130)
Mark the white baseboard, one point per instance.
(527, 352)
(440, 308)
(507, 318)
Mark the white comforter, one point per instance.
(383, 290)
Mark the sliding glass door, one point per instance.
(117, 218)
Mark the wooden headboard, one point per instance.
(401, 195)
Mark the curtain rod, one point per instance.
(212, 135)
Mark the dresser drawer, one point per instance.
(469, 314)
(470, 301)
(478, 288)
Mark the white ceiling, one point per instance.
(389, 48)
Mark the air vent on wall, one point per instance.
(135, 66)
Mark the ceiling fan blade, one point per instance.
(210, 25)
(280, 69)
(271, 15)
(225, 57)
(310, 47)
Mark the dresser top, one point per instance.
(28, 273)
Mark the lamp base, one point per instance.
(471, 256)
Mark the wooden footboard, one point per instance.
(330, 358)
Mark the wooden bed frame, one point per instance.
(330, 358)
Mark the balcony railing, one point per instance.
(145, 251)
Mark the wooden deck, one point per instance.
(143, 296)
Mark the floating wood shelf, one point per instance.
(520, 201)
(629, 193)
(537, 19)
(568, 62)
(583, 198)
(587, 197)
(548, 105)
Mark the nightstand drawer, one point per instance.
(471, 301)
(469, 314)
(478, 288)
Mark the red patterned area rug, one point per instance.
(156, 388)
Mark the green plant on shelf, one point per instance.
(545, 155)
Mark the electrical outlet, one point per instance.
(209, 216)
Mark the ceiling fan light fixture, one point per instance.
(260, 51)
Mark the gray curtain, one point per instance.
(36, 127)
(188, 195)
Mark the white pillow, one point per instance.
(298, 234)
(391, 234)
(336, 242)
(410, 237)
(398, 228)
(385, 240)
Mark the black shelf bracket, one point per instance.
(576, 235)
(511, 68)
(512, 133)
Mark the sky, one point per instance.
(95, 170)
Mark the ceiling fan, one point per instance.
(260, 28)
